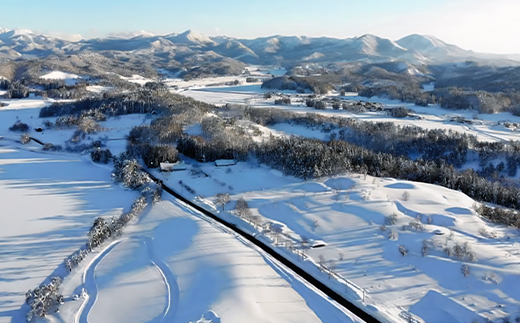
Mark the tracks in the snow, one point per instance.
(91, 288)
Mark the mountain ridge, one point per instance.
(277, 49)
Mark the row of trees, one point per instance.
(384, 137)
(129, 174)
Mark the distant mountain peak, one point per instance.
(22, 31)
(423, 42)
(193, 37)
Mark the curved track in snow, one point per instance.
(172, 288)
(91, 288)
(89, 283)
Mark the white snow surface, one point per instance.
(138, 79)
(69, 78)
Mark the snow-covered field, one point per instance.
(69, 78)
(348, 213)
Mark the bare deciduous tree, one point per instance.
(465, 270)
(222, 199)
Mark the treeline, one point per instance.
(430, 144)
(151, 99)
(16, 90)
(128, 173)
(49, 88)
(385, 137)
(403, 92)
(317, 84)
(481, 101)
(450, 98)
(203, 150)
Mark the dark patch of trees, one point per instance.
(154, 101)
(16, 90)
(102, 156)
(403, 92)
(318, 84)
(4, 84)
(399, 112)
(19, 127)
(505, 216)
(481, 101)
(282, 101)
(153, 155)
(44, 299)
(203, 150)
(320, 105)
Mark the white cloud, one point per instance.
(66, 36)
(130, 34)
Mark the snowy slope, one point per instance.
(348, 213)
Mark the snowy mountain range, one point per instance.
(414, 49)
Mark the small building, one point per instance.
(225, 162)
(170, 167)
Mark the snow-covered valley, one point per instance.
(399, 250)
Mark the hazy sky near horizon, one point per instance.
(479, 25)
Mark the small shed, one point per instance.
(170, 167)
(225, 162)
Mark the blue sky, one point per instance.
(484, 26)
